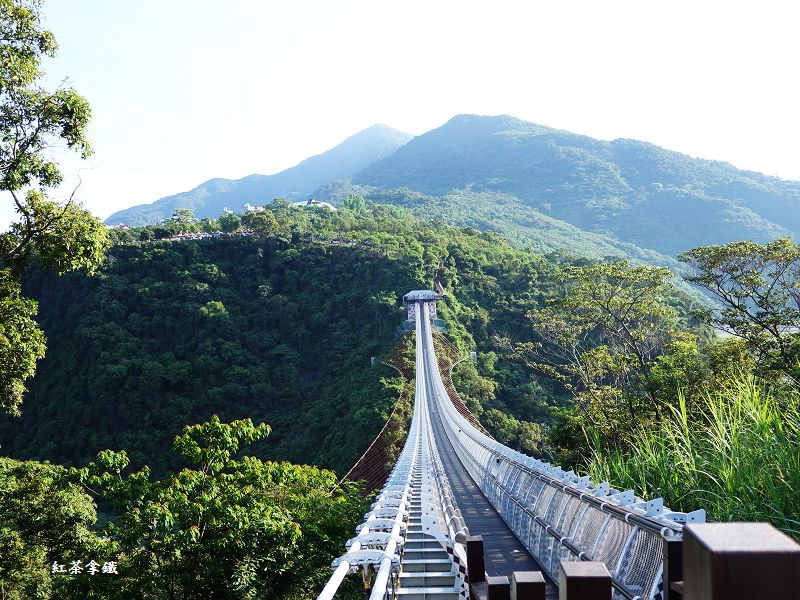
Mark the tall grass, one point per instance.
(736, 455)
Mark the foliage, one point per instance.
(600, 338)
(228, 526)
(525, 436)
(758, 287)
(229, 222)
(277, 327)
(735, 456)
(44, 518)
(57, 236)
(262, 222)
(522, 225)
(355, 203)
(21, 342)
(728, 444)
(224, 527)
(184, 219)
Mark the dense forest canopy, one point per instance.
(277, 323)
(280, 323)
(278, 327)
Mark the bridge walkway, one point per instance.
(503, 552)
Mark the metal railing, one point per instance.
(557, 515)
(418, 472)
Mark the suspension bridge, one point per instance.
(460, 515)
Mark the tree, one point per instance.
(599, 340)
(44, 518)
(209, 225)
(57, 236)
(184, 219)
(758, 287)
(22, 342)
(230, 222)
(224, 527)
(355, 203)
(261, 221)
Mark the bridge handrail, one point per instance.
(560, 516)
(419, 454)
(398, 483)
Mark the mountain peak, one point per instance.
(208, 199)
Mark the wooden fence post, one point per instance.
(497, 588)
(527, 585)
(739, 561)
(584, 581)
(673, 567)
(476, 568)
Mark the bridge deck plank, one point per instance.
(503, 552)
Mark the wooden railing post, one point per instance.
(584, 581)
(739, 561)
(673, 568)
(476, 568)
(498, 588)
(527, 585)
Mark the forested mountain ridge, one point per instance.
(629, 190)
(543, 188)
(209, 198)
(278, 329)
(486, 210)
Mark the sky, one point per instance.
(186, 90)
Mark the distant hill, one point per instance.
(543, 188)
(631, 191)
(209, 198)
(522, 225)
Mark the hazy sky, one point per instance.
(187, 90)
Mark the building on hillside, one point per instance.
(311, 203)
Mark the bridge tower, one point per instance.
(413, 300)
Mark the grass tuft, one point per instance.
(736, 455)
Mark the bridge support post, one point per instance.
(738, 561)
(476, 568)
(367, 580)
(673, 567)
(584, 581)
(527, 585)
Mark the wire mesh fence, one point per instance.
(558, 515)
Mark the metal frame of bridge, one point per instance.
(414, 537)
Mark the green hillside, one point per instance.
(278, 330)
(521, 225)
(631, 191)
